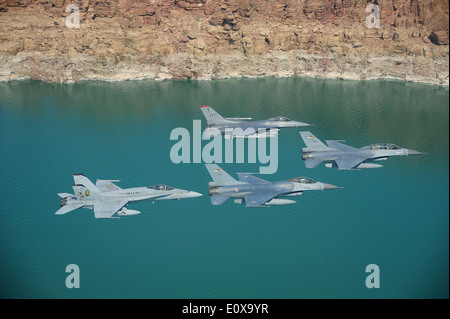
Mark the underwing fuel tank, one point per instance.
(369, 165)
(380, 159)
(278, 201)
(127, 212)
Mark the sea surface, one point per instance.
(396, 217)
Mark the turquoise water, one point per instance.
(395, 217)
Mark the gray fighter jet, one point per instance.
(236, 127)
(108, 200)
(347, 157)
(256, 192)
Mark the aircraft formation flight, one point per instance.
(109, 200)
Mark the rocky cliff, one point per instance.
(212, 39)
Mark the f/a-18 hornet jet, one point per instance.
(347, 157)
(108, 200)
(257, 192)
(237, 127)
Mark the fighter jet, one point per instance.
(257, 192)
(236, 127)
(108, 200)
(347, 157)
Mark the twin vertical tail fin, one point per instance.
(84, 188)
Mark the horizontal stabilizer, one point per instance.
(312, 163)
(68, 208)
(218, 199)
(64, 195)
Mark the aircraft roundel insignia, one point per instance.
(87, 193)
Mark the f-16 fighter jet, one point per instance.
(256, 192)
(237, 127)
(108, 200)
(347, 157)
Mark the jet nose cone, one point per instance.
(191, 194)
(413, 152)
(298, 124)
(329, 186)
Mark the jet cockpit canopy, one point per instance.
(160, 187)
(280, 118)
(303, 180)
(384, 146)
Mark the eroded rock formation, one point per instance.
(211, 39)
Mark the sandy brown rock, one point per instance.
(439, 37)
(211, 39)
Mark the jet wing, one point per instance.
(349, 162)
(258, 199)
(106, 209)
(340, 146)
(250, 179)
(107, 185)
(254, 131)
(244, 133)
(68, 208)
(312, 142)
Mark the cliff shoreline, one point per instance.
(216, 39)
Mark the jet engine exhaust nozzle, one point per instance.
(63, 202)
(213, 191)
(306, 155)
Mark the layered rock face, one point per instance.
(73, 40)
